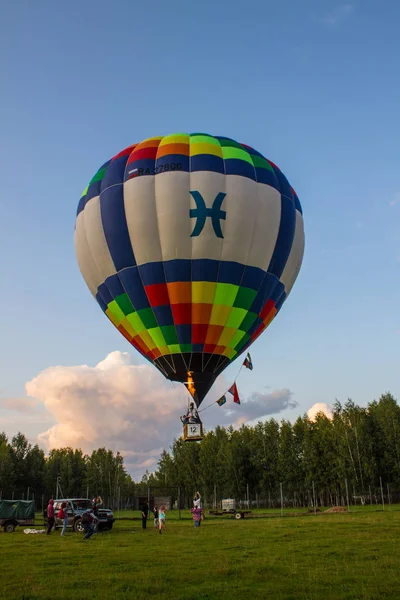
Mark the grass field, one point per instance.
(315, 557)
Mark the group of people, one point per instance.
(159, 516)
(89, 518)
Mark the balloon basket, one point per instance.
(193, 432)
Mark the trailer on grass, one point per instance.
(229, 508)
(16, 512)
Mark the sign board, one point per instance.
(193, 430)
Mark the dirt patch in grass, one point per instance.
(336, 509)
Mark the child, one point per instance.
(155, 512)
(161, 518)
(196, 512)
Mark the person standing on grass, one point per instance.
(196, 512)
(96, 502)
(197, 500)
(145, 514)
(161, 518)
(155, 513)
(50, 516)
(63, 514)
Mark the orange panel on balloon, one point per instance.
(213, 334)
(180, 292)
(201, 313)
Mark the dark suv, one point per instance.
(79, 506)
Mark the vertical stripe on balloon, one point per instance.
(115, 227)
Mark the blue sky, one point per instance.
(312, 85)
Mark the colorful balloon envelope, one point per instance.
(190, 244)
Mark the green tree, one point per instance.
(7, 480)
(19, 450)
(106, 475)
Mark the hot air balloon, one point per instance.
(190, 243)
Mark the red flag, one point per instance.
(233, 390)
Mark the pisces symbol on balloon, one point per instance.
(201, 212)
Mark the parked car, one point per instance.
(79, 506)
(16, 512)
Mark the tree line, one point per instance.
(26, 473)
(353, 456)
(324, 460)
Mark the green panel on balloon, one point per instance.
(99, 175)
(246, 338)
(248, 321)
(225, 293)
(229, 152)
(225, 142)
(169, 333)
(174, 348)
(186, 347)
(204, 139)
(116, 311)
(157, 336)
(261, 163)
(136, 322)
(244, 298)
(236, 317)
(236, 338)
(230, 353)
(148, 318)
(125, 304)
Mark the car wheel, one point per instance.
(238, 516)
(110, 526)
(78, 526)
(9, 527)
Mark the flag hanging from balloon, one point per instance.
(234, 391)
(248, 362)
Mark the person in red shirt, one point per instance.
(50, 516)
(63, 514)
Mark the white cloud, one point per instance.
(127, 407)
(262, 405)
(395, 200)
(20, 405)
(320, 407)
(338, 14)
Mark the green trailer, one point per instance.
(16, 512)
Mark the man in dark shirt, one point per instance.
(145, 514)
(89, 522)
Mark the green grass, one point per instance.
(316, 557)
